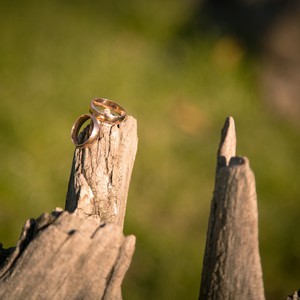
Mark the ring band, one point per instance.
(93, 132)
(117, 115)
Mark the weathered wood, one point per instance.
(67, 257)
(113, 290)
(76, 255)
(101, 173)
(227, 147)
(231, 264)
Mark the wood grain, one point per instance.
(231, 264)
(101, 173)
(68, 257)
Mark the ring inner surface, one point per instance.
(104, 106)
(83, 135)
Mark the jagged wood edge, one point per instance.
(54, 234)
(233, 218)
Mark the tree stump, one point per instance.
(80, 253)
(101, 173)
(231, 264)
(63, 256)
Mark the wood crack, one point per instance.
(106, 165)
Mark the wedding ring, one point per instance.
(93, 130)
(112, 113)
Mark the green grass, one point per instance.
(55, 56)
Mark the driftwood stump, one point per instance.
(231, 265)
(62, 256)
(80, 253)
(101, 173)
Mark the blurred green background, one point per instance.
(180, 83)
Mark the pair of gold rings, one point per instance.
(101, 110)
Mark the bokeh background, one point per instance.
(180, 68)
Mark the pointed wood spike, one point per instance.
(227, 147)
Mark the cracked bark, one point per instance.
(231, 264)
(64, 256)
(80, 253)
(101, 172)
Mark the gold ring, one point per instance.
(112, 113)
(93, 130)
